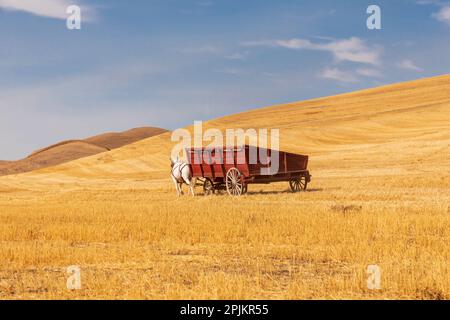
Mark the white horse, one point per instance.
(181, 173)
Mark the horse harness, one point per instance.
(180, 168)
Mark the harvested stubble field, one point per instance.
(380, 195)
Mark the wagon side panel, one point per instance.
(242, 161)
(207, 164)
(194, 158)
(262, 157)
(282, 162)
(218, 166)
(266, 159)
(287, 162)
(295, 162)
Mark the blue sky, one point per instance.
(167, 63)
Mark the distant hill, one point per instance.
(403, 127)
(69, 150)
(113, 140)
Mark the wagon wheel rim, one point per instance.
(208, 187)
(303, 183)
(298, 184)
(234, 183)
(294, 184)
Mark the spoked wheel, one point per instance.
(298, 184)
(233, 181)
(208, 187)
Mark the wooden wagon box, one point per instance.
(236, 167)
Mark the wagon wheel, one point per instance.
(234, 183)
(298, 184)
(208, 187)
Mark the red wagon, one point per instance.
(235, 168)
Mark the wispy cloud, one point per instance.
(339, 75)
(353, 49)
(45, 8)
(369, 72)
(409, 65)
(349, 76)
(237, 56)
(443, 15)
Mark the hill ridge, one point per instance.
(62, 143)
(74, 149)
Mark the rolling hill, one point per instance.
(398, 125)
(75, 149)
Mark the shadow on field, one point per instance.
(282, 191)
(262, 192)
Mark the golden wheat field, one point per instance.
(380, 194)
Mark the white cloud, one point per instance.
(46, 8)
(296, 44)
(339, 75)
(369, 72)
(409, 65)
(347, 76)
(353, 49)
(443, 15)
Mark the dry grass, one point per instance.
(131, 243)
(380, 195)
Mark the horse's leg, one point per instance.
(189, 181)
(186, 177)
(180, 186)
(192, 186)
(176, 186)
